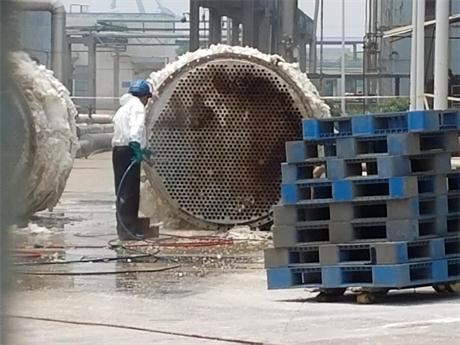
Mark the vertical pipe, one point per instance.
(69, 68)
(194, 25)
(235, 32)
(313, 55)
(303, 54)
(420, 88)
(343, 105)
(288, 16)
(275, 27)
(249, 24)
(7, 199)
(58, 34)
(92, 73)
(215, 26)
(321, 47)
(441, 55)
(116, 78)
(228, 31)
(413, 57)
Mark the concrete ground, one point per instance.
(217, 295)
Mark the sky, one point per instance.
(354, 12)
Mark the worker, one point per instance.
(129, 142)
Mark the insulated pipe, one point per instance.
(95, 118)
(58, 31)
(44, 127)
(90, 143)
(94, 129)
(441, 55)
(420, 88)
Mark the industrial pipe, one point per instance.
(45, 135)
(441, 55)
(94, 129)
(413, 58)
(58, 31)
(94, 118)
(342, 64)
(420, 88)
(90, 143)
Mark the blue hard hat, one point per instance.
(139, 88)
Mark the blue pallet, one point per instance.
(384, 166)
(386, 253)
(321, 190)
(433, 172)
(368, 276)
(378, 124)
(373, 146)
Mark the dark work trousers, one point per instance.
(128, 198)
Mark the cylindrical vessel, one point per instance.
(218, 127)
(44, 118)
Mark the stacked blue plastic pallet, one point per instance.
(387, 212)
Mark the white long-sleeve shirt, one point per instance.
(129, 122)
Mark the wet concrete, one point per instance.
(217, 291)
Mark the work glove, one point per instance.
(147, 154)
(137, 152)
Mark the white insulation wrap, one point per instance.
(52, 138)
(319, 108)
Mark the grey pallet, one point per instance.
(388, 166)
(416, 143)
(364, 231)
(380, 253)
(293, 214)
(299, 151)
(398, 144)
(393, 144)
(354, 146)
(453, 203)
(390, 252)
(330, 232)
(353, 189)
(390, 230)
(411, 208)
(294, 235)
(290, 173)
(453, 223)
(432, 184)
